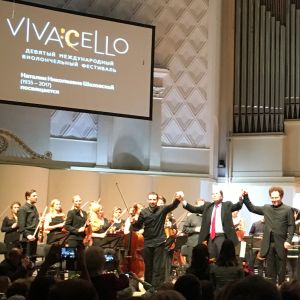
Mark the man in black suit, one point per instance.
(28, 221)
(278, 232)
(217, 222)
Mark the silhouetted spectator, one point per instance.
(290, 290)
(200, 262)
(18, 287)
(208, 291)
(106, 284)
(227, 267)
(75, 289)
(16, 265)
(252, 287)
(189, 286)
(167, 295)
(40, 287)
(4, 284)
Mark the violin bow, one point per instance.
(4, 211)
(123, 199)
(40, 221)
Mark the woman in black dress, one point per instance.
(54, 222)
(98, 224)
(10, 227)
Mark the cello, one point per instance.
(133, 243)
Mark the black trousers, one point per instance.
(153, 259)
(214, 246)
(276, 266)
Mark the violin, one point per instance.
(41, 232)
(88, 240)
(170, 231)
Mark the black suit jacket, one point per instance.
(206, 210)
(279, 220)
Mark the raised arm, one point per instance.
(177, 199)
(193, 209)
(239, 204)
(252, 208)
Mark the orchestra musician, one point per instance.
(239, 225)
(152, 219)
(76, 222)
(28, 221)
(117, 223)
(10, 227)
(98, 223)
(133, 243)
(54, 222)
(133, 213)
(191, 227)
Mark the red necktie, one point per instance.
(213, 224)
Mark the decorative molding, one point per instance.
(12, 146)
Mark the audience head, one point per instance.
(15, 255)
(40, 287)
(167, 295)
(94, 257)
(18, 287)
(4, 283)
(167, 285)
(75, 289)
(250, 288)
(200, 256)
(290, 290)
(227, 256)
(207, 290)
(189, 286)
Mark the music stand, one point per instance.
(180, 241)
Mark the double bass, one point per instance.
(133, 245)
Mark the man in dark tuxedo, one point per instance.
(278, 232)
(217, 222)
